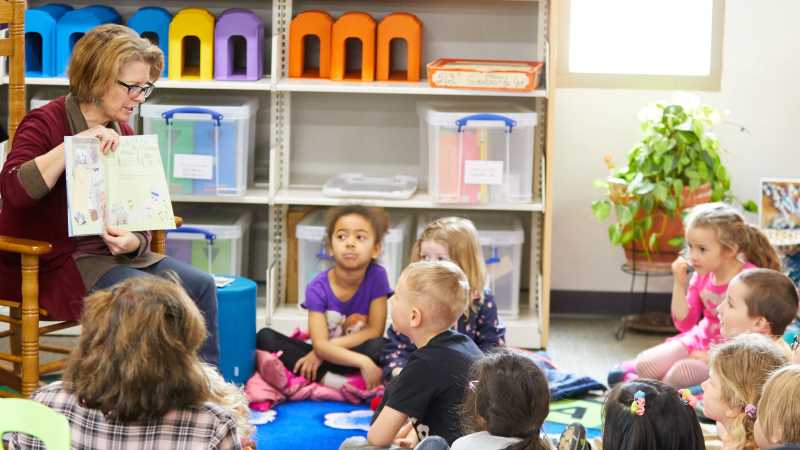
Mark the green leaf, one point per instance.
(647, 223)
(647, 203)
(660, 192)
(750, 206)
(698, 128)
(676, 242)
(601, 209)
(615, 233)
(652, 243)
(626, 237)
(666, 166)
(624, 214)
(677, 187)
(670, 204)
(601, 184)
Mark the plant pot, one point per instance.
(660, 258)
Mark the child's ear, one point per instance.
(376, 250)
(416, 317)
(762, 326)
(733, 413)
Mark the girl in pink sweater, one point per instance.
(720, 244)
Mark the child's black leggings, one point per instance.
(294, 349)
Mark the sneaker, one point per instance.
(615, 376)
(574, 438)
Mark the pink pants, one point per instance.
(670, 363)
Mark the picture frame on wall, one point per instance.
(779, 210)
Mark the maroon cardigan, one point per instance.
(61, 288)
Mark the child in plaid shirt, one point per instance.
(135, 381)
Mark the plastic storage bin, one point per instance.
(398, 187)
(229, 251)
(313, 257)
(478, 156)
(501, 242)
(206, 147)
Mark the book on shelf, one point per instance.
(125, 188)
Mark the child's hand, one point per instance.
(371, 373)
(680, 270)
(406, 437)
(699, 354)
(307, 366)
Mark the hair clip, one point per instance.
(637, 405)
(750, 410)
(473, 385)
(796, 342)
(687, 397)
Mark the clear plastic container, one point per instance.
(207, 146)
(313, 257)
(398, 187)
(229, 251)
(501, 242)
(478, 156)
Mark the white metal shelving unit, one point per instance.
(316, 131)
(318, 127)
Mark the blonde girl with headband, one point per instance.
(739, 369)
(720, 244)
(650, 415)
(452, 239)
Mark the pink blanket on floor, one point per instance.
(273, 383)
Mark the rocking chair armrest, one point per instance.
(24, 246)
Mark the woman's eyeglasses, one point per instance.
(135, 90)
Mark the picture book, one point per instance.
(125, 188)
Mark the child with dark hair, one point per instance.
(650, 415)
(506, 404)
(346, 305)
(762, 301)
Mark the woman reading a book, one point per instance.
(111, 72)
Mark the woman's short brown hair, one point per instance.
(99, 56)
(137, 354)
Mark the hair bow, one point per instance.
(687, 397)
(637, 405)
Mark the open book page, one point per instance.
(138, 196)
(125, 188)
(86, 185)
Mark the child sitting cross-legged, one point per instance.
(451, 239)
(738, 370)
(421, 400)
(778, 417)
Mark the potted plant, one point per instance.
(674, 166)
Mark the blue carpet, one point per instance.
(300, 426)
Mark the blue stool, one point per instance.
(106, 13)
(236, 314)
(40, 39)
(73, 25)
(152, 22)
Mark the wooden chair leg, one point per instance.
(16, 338)
(30, 324)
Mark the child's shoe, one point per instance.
(574, 438)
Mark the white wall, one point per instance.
(760, 87)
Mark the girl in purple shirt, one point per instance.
(346, 304)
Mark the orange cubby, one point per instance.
(399, 26)
(310, 23)
(353, 25)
